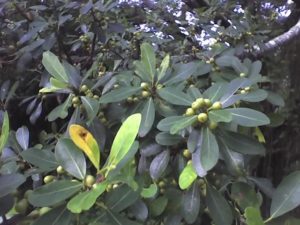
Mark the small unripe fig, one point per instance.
(201, 102)
(189, 162)
(89, 94)
(212, 125)
(27, 193)
(60, 170)
(89, 180)
(217, 105)
(161, 184)
(96, 97)
(116, 85)
(196, 105)
(48, 179)
(130, 99)
(115, 186)
(75, 100)
(187, 154)
(144, 85)
(189, 112)
(135, 99)
(247, 88)
(207, 102)
(242, 74)
(243, 92)
(21, 206)
(145, 94)
(202, 117)
(159, 86)
(84, 88)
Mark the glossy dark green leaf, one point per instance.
(139, 210)
(220, 116)
(191, 204)
(275, 99)
(4, 90)
(209, 149)
(54, 67)
(253, 216)
(148, 115)
(22, 136)
(85, 200)
(175, 96)
(60, 111)
(255, 96)
(231, 90)
(159, 164)
(6, 203)
(286, 196)
(244, 195)
(234, 161)
(164, 138)
(121, 198)
(141, 71)
(43, 159)
(148, 59)
(57, 216)
(248, 117)
(158, 205)
(166, 123)
(243, 144)
(116, 219)
(194, 92)
(53, 193)
(4, 131)
(183, 72)
(265, 185)
(184, 122)
(151, 149)
(187, 177)
(119, 94)
(218, 207)
(216, 91)
(194, 140)
(255, 68)
(9, 182)
(71, 158)
(91, 107)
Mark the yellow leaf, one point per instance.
(259, 135)
(84, 140)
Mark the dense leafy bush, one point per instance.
(130, 123)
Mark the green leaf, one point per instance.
(243, 144)
(85, 200)
(158, 206)
(148, 59)
(60, 111)
(220, 116)
(121, 198)
(234, 161)
(164, 138)
(150, 191)
(119, 94)
(166, 123)
(91, 107)
(183, 71)
(191, 204)
(71, 158)
(286, 196)
(218, 207)
(56, 216)
(248, 117)
(244, 195)
(54, 67)
(117, 219)
(253, 216)
(124, 139)
(9, 182)
(159, 164)
(43, 159)
(140, 70)
(53, 193)
(163, 67)
(57, 83)
(215, 92)
(187, 177)
(255, 96)
(4, 132)
(182, 123)
(209, 149)
(148, 115)
(175, 96)
(275, 99)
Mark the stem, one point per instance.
(268, 220)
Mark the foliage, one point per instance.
(146, 125)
